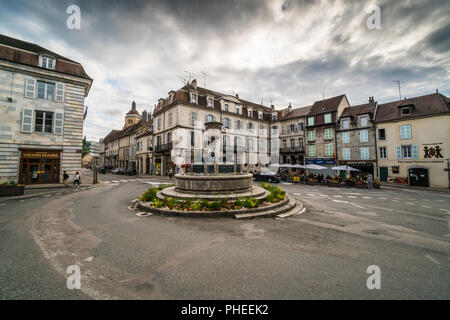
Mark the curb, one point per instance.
(34, 195)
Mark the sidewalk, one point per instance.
(44, 189)
(406, 186)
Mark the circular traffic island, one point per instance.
(209, 196)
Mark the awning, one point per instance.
(345, 168)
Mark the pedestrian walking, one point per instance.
(65, 179)
(369, 181)
(77, 179)
(170, 173)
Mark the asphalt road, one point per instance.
(322, 254)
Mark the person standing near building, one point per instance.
(369, 181)
(65, 179)
(77, 179)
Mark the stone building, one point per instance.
(41, 106)
(292, 135)
(413, 140)
(356, 141)
(321, 123)
(179, 131)
(144, 152)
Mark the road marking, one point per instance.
(310, 194)
(2, 204)
(323, 195)
(383, 198)
(367, 197)
(132, 180)
(124, 180)
(34, 198)
(440, 200)
(446, 210)
(353, 193)
(21, 201)
(353, 204)
(47, 195)
(428, 207)
(352, 197)
(59, 193)
(89, 259)
(296, 194)
(115, 181)
(337, 196)
(106, 181)
(432, 259)
(410, 203)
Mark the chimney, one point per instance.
(237, 96)
(437, 91)
(272, 107)
(144, 116)
(371, 101)
(289, 108)
(194, 83)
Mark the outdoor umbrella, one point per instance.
(346, 168)
(314, 167)
(286, 165)
(299, 166)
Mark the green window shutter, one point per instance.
(414, 151)
(27, 120)
(399, 152)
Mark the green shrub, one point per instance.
(270, 197)
(214, 205)
(197, 206)
(251, 203)
(149, 195)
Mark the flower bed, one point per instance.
(333, 183)
(150, 196)
(11, 189)
(312, 181)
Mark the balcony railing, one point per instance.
(163, 147)
(292, 150)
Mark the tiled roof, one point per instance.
(183, 96)
(327, 105)
(426, 105)
(354, 111)
(27, 53)
(295, 113)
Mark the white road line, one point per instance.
(352, 197)
(337, 196)
(410, 203)
(367, 197)
(383, 198)
(115, 181)
(47, 195)
(2, 204)
(432, 259)
(124, 180)
(323, 195)
(106, 182)
(132, 180)
(296, 194)
(446, 210)
(353, 204)
(428, 207)
(310, 194)
(440, 200)
(21, 201)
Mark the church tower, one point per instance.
(132, 116)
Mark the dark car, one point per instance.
(267, 176)
(102, 170)
(130, 172)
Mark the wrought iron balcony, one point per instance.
(163, 147)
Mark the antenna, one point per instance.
(323, 93)
(190, 74)
(204, 78)
(184, 80)
(399, 92)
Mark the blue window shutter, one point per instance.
(414, 151)
(399, 152)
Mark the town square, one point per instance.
(224, 150)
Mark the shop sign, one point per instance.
(432, 152)
(320, 161)
(40, 154)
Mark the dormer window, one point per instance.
(250, 113)
(46, 62)
(405, 111)
(274, 116)
(237, 109)
(345, 123)
(260, 115)
(171, 98)
(363, 121)
(226, 107)
(194, 98)
(210, 102)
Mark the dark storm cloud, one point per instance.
(276, 51)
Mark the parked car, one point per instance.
(130, 172)
(102, 170)
(115, 171)
(267, 176)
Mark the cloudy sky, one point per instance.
(277, 51)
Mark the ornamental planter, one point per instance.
(7, 191)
